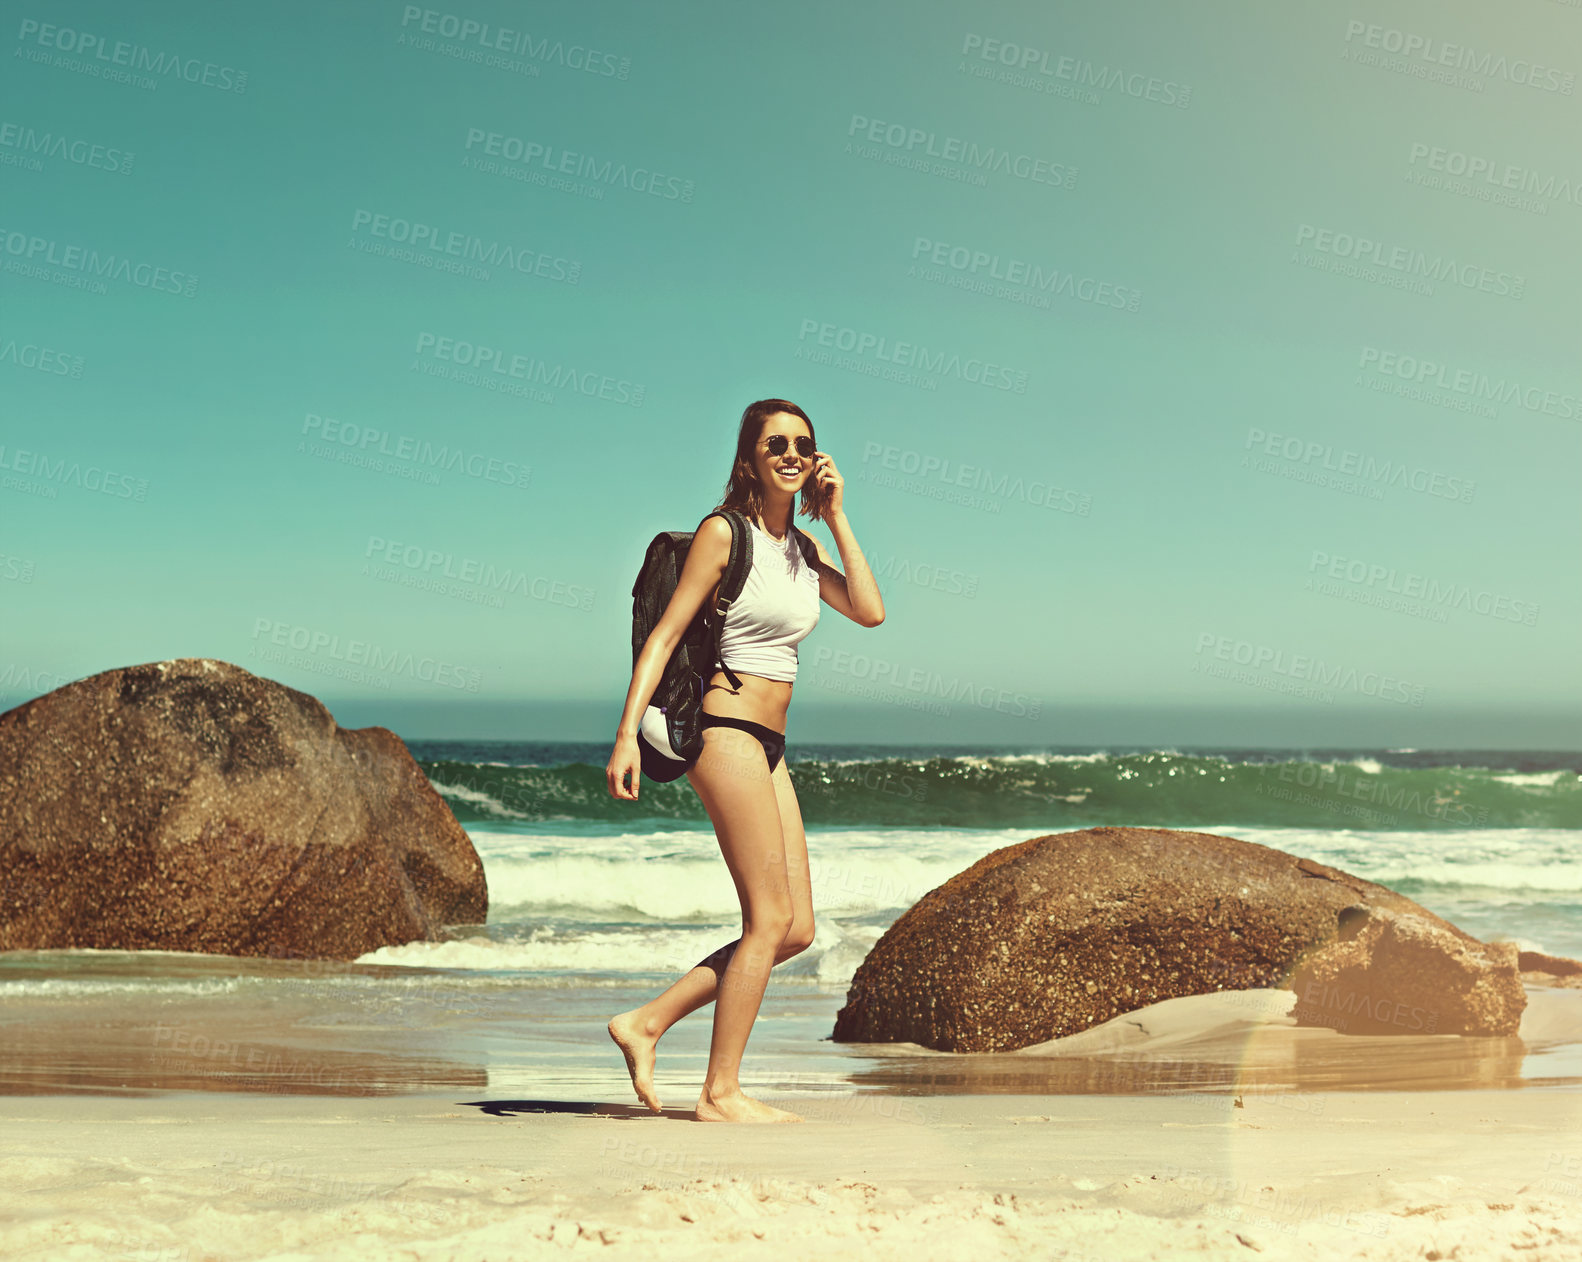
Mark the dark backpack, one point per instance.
(679, 693)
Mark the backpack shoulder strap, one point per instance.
(809, 551)
(737, 566)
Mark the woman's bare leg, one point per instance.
(638, 1031)
(740, 799)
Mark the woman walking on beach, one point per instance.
(741, 775)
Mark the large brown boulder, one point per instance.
(190, 805)
(1054, 935)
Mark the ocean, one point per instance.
(597, 904)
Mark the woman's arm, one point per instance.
(854, 593)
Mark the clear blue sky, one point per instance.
(707, 205)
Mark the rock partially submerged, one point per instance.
(190, 805)
(1395, 972)
(1539, 969)
(1061, 933)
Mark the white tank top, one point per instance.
(778, 606)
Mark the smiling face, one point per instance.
(790, 469)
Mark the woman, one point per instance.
(741, 774)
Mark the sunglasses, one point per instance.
(777, 444)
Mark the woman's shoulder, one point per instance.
(714, 533)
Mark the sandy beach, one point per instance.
(1378, 1175)
(1296, 1143)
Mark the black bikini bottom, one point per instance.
(774, 742)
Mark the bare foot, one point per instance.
(637, 1045)
(736, 1107)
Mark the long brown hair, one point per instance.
(743, 492)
